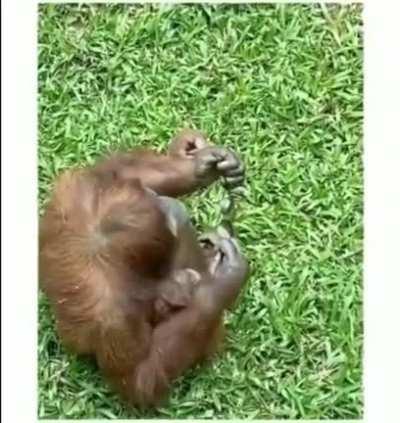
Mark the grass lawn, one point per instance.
(283, 86)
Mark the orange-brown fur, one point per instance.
(104, 250)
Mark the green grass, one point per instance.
(283, 86)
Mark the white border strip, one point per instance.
(19, 223)
(382, 214)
